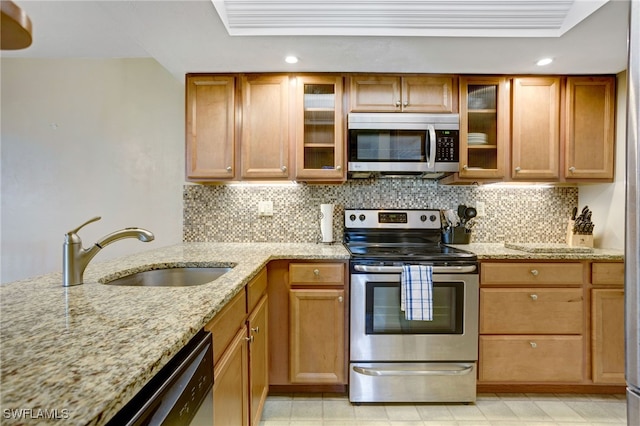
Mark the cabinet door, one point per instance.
(210, 128)
(589, 138)
(316, 342)
(535, 127)
(319, 128)
(258, 360)
(265, 127)
(607, 343)
(428, 94)
(483, 127)
(231, 379)
(375, 93)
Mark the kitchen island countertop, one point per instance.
(78, 354)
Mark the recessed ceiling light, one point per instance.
(291, 59)
(544, 61)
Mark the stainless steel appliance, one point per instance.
(403, 144)
(180, 394)
(397, 360)
(632, 234)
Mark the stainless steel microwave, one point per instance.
(403, 144)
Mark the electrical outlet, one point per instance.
(265, 208)
(480, 209)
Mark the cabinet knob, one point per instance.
(316, 272)
(338, 168)
(518, 169)
(534, 297)
(229, 169)
(398, 103)
(572, 169)
(249, 339)
(465, 167)
(534, 272)
(406, 104)
(533, 345)
(255, 329)
(283, 168)
(340, 299)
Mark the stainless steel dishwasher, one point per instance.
(180, 394)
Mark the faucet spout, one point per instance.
(75, 258)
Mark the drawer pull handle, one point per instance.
(316, 272)
(534, 297)
(256, 330)
(533, 345)
(534, 272)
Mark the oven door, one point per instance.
(380, 333)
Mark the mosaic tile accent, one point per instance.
(229, 213)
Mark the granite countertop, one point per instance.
(498, 251)
(78, 354)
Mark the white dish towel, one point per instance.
(416, 292)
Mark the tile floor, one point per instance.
(489, 410)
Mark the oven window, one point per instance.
(383, 314)
(386, 145)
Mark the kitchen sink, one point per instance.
(171, 277)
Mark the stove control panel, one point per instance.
(389, 219)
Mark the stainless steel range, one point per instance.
(392, 358)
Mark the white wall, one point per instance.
(84, 138)
(607, 201)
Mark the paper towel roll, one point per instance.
(326, 222)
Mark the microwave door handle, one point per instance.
(431, 153)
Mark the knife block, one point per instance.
(578, 240)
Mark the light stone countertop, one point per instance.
(82, 352)
(498, 251)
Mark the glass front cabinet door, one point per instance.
(483, 127)
(319, 128)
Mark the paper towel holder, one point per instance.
(326, 223)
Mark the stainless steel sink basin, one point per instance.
(172, 277)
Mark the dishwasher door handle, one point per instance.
(455, 370)
(398, 269)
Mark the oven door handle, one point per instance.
(398, 269)
(457, 371)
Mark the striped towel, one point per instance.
(416, 292)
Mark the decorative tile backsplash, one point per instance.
(229, 213)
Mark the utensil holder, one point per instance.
(457, 235)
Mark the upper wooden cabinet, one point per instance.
(484, 112)
(210, 127)
(388, 93)
(589, 132)
(265, 127)
(319, 139)
(535, 128)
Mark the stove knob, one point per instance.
(352, 217)
(362, 218)
(432, 218)
(423, 218)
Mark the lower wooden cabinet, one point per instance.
(258, 360)
(316, 342)
(532, 359)
(230, 383)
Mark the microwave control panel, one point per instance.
(447, 146)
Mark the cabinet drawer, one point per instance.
(531, 273)
(531, 311)
(256, 288)
(607, 273)
(531, 359)
(316, 273)
(227, 323)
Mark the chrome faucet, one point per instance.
(75, 258)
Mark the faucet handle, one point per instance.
(75, 231)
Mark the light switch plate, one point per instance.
(480, 209)
(265, 208)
